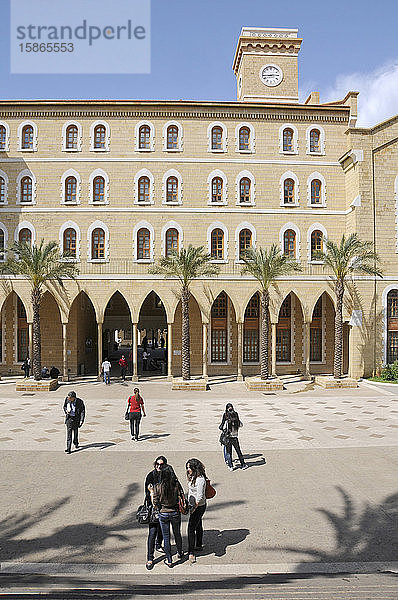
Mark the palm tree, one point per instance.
(40, 265)
(186, 265)
(352, 255)
(266, 265)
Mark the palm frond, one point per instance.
(186, 265)
(266, 265)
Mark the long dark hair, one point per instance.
(169, 484)
(228, 406)
(161, 457)
(197, 468)
(233, 419)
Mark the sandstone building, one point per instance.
(120, 183)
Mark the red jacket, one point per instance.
(135, 403)
(123, 362)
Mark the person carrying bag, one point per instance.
(135, 409)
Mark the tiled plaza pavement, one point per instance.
(291, 419)
(320, 493)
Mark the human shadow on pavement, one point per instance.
(216, 541)
(363, 534)
(153, 436)
(100, 445)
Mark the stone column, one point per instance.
(240, 351)
(30, 344)
(273, 349)
(134, 357)
(64, 353)
(204, 353)
(99, 348)
(306, 334)
(169, 352)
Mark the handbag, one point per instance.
(143, 514)
(126, 416)
(210, 492)
(224, 437)
(183, 505)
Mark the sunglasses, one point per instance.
(159, 464)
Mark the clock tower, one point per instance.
(265, 65)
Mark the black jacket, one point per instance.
(80, 411)
(153, 477)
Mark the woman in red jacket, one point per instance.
(136, 409)
(123, 367)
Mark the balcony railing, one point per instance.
(136, 269)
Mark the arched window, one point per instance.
(2, 244)
(171, 241)
(288, 140)
(144, 137)
(244, 190)
(22, 332)
(217, 244)
(70, 189)
(27, 137)
(143, 244)
(219, 321)
(143, 189)
(316, 243)
(172, 189)
(100, 137)
(289, 243)
(172, 137)
(69, 242)
(26, 189)
(72, 137)
(283, 332)
(244, 138)
(3, 196)
(245, 241)
(315, 140)
(98, 189)
(216, 138)
(392, 326)
(316, 333)
(288, 191)
(25, 236)
(3, 138)
(316, 191)
(217, 189)
(251, 330)
(98, 244)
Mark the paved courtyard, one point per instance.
(320, 495)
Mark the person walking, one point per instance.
(106, 371)
(233, 423)
(136, 409)
(26, 367)
(123, 367)
(155, 536)
(165, 496)
(75, 413)
(224, 428)
(196, 476)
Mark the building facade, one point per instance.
(120, 183)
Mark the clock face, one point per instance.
(271, 75)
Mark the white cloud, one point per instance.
(378, 98)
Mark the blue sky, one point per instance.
(193, 43)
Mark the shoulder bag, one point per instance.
(210, 492)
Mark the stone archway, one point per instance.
(82, 338)
(290, 336)
(51, 332)
(152, 337)
(117, 331)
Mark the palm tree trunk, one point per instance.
(185, 346)
(264, 340)
(338, 333)
(36, 345)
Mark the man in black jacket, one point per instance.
(75, 412)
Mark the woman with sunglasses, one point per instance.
(196, 476)
(155, 536)
(165, 496)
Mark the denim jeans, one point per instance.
(233, 441)
(107, 378)
(135, 418)
(155, 537)
(195, 528)
(173, 518)
(227, 457)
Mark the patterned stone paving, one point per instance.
(363, 417)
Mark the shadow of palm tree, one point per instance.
(363, 534)
(216, 541)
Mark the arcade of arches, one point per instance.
(225, 341)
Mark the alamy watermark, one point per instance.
(80, 36)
